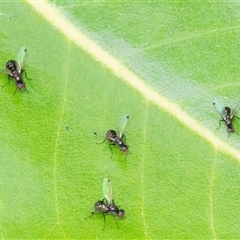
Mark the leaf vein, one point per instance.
(211, 195)
(56, 151)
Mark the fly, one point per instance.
(14, 70)
(227, 114)
(108, 195)
(107, 205)
(118, 139)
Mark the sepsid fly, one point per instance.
(14, 70)
(118, 138)
(107, 205)
(227, 114)
(108, 195)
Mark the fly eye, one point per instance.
(21, 86)
(121, 213)
(124, 148)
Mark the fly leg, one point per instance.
(237, 118)
(235, 130)
(7, 82)
(25, 89)
(124, 138)
(116, 222)
(15, 91)
(112, 144)
(221, 120)
(104, 221)
(25, 73)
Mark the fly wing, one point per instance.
(218, 106)
(122, 124)
(107, 190)
(20, 58)
(5, 71)
(235, 108)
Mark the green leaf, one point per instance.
(163, 64)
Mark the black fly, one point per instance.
(118, 139)
(14, 70)
(227, 114)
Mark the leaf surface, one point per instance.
(177, 182)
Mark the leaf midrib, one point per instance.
(73, 33)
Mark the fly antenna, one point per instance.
(101, 137)
(90, 215)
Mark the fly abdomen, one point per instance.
(111, 135)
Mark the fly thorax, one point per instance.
(228, 120)
(18, 77)
(113, 208)
(119, 141)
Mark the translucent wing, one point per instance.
(4, 71)
(107, 190)
(20, 58)
(122, 124)
(219, 107)
(235, 108)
